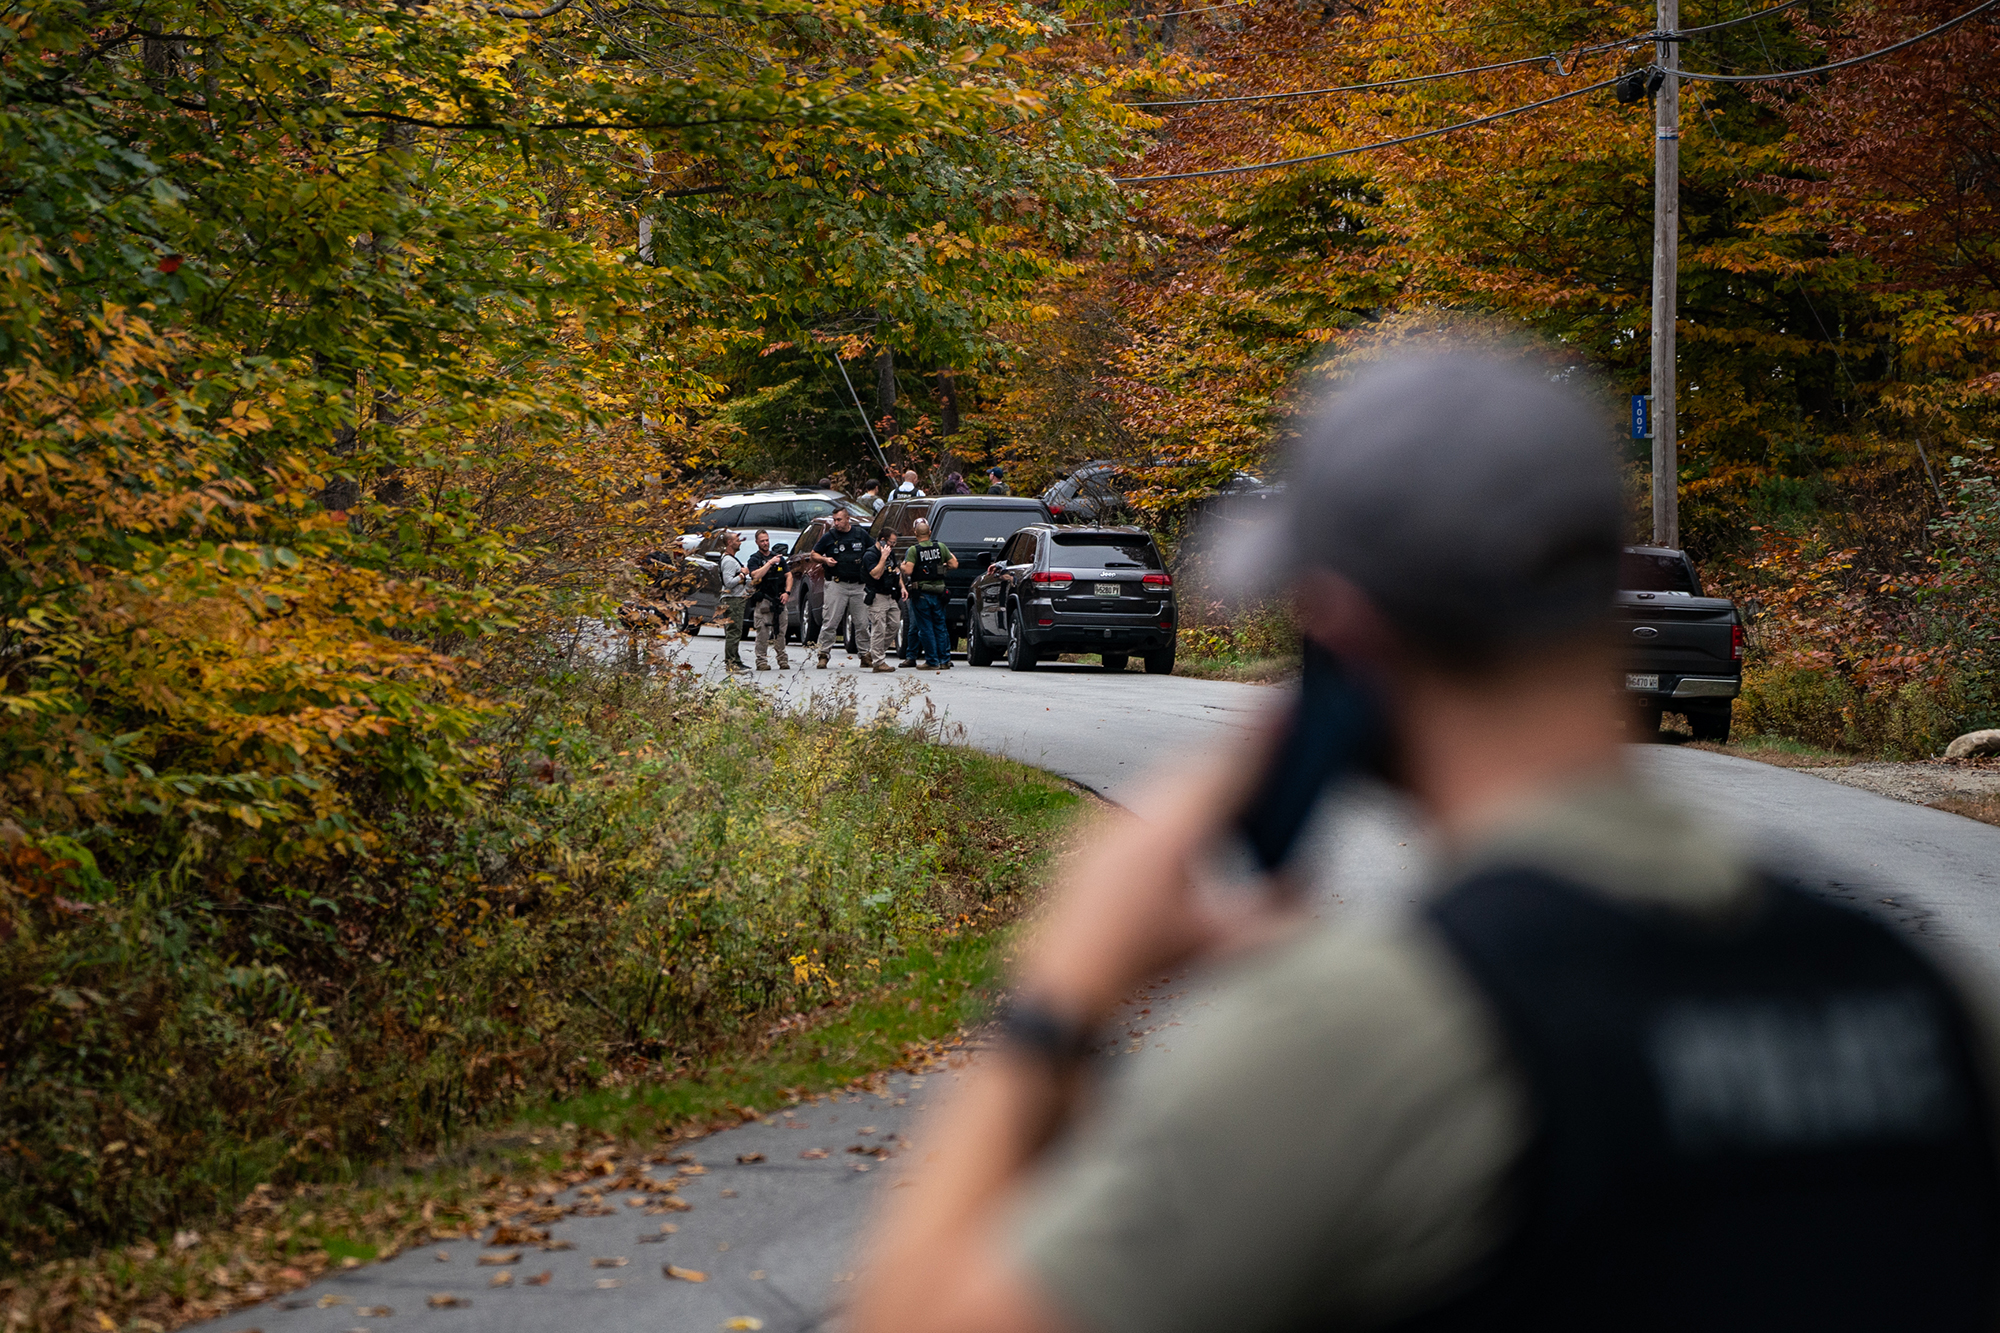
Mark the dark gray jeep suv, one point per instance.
(1074, 590)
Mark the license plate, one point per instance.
(1107, 590)
(1633, 682)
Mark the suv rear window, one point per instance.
(982, 527)
(769, 513)
(1099, 550)
(1640, 572)
(722, 516)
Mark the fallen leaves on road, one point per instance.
(684, 1274)
(669, 1205)
(442, 1256)
(503, 1278)
(746, 1158)
(743, 1321)
(814, 1153)
(695, 1170)
(607, 1262)
(511, 1257)
(328, 1301)
(607, 1283)
(374, 1311)
(559, 1245)
(868, 1150)
(444, 1300)
(541, 1279)
(509, 1233)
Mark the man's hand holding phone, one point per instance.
(1129, 906)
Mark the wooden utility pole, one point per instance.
(1666, 277)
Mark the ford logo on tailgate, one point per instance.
(1645, 632)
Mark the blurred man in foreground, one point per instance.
(1611, 1075)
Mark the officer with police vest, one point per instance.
(924, 564)
(1614, 1072)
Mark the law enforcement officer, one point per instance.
(843, 552)
(735, 595)
(1612, 1074)
(924, 565)
(887, 595)
(770, 600)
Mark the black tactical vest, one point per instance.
(1775, 1128)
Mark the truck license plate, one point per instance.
(1633, 682)
(1107, 590)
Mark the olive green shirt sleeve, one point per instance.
(1329, 1145)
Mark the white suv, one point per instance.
(782, 513)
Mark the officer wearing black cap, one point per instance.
(1612, 1073)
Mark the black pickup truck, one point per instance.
(1683, 651)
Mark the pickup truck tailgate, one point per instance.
(1671, 635)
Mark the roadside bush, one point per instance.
(1260, 639)
(1806, 705)
(1913, 719)
(1887, 660)
(651, 868)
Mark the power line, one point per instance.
(1362, 87)
(1383, 143)
(1776, 77)
(862, 413)
(1542, 59)
(1727, 23)
(1782, 75)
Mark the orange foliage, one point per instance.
(186, 643)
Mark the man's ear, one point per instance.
(1336, 614)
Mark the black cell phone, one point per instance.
(1338, 729)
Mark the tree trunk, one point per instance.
(885, 391)
(947, 384)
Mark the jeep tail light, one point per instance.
(1736, 643)
(1158, 580)
(1052, 578)
(1055, 509)
(1046, 621)
(1166, 624)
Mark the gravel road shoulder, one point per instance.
(1969, 787)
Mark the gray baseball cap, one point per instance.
(1475, 499)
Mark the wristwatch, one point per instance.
(1032, 1028)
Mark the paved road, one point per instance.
(778, 1250)
(1097, 728)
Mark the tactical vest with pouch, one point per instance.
(1775, 1126)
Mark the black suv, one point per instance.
(1075, 590)
(973, 527)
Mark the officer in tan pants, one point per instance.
(770, 600)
